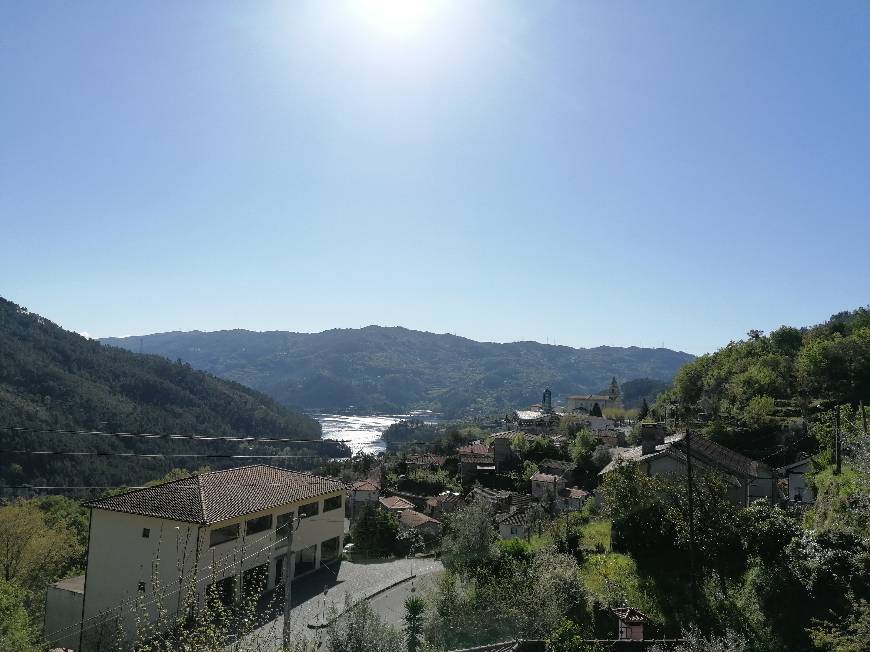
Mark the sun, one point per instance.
(397, 18)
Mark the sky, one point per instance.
(580, 173)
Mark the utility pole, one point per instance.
(691, 516)
(287, 590)
(838, 462)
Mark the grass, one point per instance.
(595, 534)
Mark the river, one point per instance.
(363, 433)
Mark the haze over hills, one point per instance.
(394, 369)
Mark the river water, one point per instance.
(363, 433)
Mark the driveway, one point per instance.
(314, 595)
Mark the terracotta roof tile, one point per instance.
(212, 497)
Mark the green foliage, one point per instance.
(409, 431)
(394, 370)
(749, 391)
(360, 629)
(635, 392)
(414, 610)
(54, 379)
(520, 597)
(375, 532)
(468, 542)
(17, 632)
(428, 482)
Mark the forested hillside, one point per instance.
(755, 395)
(54, 379)
(396, 369)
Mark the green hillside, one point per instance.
(54, 379)
(396, 369)
(755, 395)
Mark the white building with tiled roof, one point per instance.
(661, 454)
(165, 546)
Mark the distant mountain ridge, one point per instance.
(395, 369)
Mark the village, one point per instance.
(245, 533)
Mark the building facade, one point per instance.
(223, 534)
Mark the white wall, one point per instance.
(119, 558)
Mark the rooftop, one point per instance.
(72, 584)
(705, 452)
(396, 502)
(207, 498)
(412, 518)
(365, 485)
(546, 477)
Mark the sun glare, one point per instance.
(397, 18)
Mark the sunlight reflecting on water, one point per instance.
(362, 433)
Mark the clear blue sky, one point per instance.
(588, 172)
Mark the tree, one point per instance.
(360, 629)
(468, 544)
(414, 608)
(375, 532)
(16, 631)
(644, 411)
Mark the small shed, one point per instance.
(631, 623)
(63, 611)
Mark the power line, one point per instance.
(158, 455)
(150, 435)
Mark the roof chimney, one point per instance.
(651, 435)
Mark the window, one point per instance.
(329, 549)
(514, 530)
(309, 509)
(141, 587)
(259, 524)
(283, 522)
(224, 534)
(146, 532)
(332, 503)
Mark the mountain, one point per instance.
(396, 369)
(54, 379)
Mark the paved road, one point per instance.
(390, 605)
(340, 580)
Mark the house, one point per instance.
(546, 486)
(660, 454)
(562, 468)
(799, 490)
(444, 503)
(611, 437)
(475, 460)
(396, 504)
(362, 493)
(427, 526)
(502, 446)
(498, 500)
(533, 421)
(229, 534)
(587, 402)
(571, 499)
(516, 524)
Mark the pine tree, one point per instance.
(644, 411)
